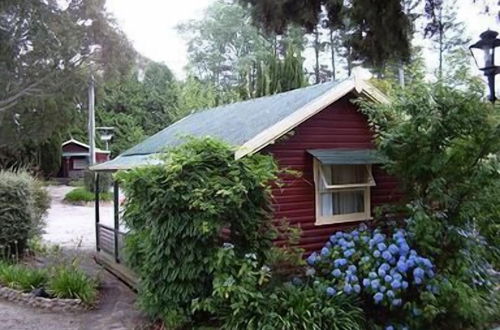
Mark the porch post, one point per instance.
(97, 212)
(116, 204)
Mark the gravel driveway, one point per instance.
(73, 226)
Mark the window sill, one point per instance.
(321, 221)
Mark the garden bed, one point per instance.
(50, 304)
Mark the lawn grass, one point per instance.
(82, 195)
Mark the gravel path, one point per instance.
(73, 228)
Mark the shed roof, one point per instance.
(83, 145)
(248, 125)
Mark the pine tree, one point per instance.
(379, 30)
(446, 33)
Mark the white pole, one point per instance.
(91, 125)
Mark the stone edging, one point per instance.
(53, 304)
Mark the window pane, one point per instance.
(344, 174)
(344, 202)
(348, 174)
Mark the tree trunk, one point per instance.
(401, 74)
(332, 49)
(316, 54)
(441, 46)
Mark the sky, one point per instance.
(150, 25)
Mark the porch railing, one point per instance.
(109, 239)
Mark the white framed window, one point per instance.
(342, 192)
(80, 163)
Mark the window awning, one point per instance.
(346, 156)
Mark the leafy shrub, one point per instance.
(21, 277)
(76, 183)
(176, 212)
(23, 203)
(78, 195)
(70, 282)
(443, 145)
(105, 181)
(246, 297)
(381, 268)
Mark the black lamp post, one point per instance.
(483, 52)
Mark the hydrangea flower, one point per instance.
(371, 263)
(378, 238)
(348, 253)
(387, 255)
(311, 260)
(418, 272)
(330, 291)
(395, 284)
(393, 249)
(402, 267)
(381, 247)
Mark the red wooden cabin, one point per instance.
(75, 158)
(318, 131)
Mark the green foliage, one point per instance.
(105, 181)
(237, 58)
(23, 203)
(176, 211)
(377, 30)
(137, 107)
(443, 145)
(71, 282)
(82, 195)
(276, 76)
(63, 281)
(246, 296)
(22, 278)
(45, 62)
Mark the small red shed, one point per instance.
(75, 158)
(318, 131)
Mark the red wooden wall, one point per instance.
(340, 125)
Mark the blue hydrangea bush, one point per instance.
(380, 268)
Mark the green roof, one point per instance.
(346, 156)
(235, 123)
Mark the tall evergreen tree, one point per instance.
(445, 31)
(380, 29)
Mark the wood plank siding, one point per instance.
(340, 125)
